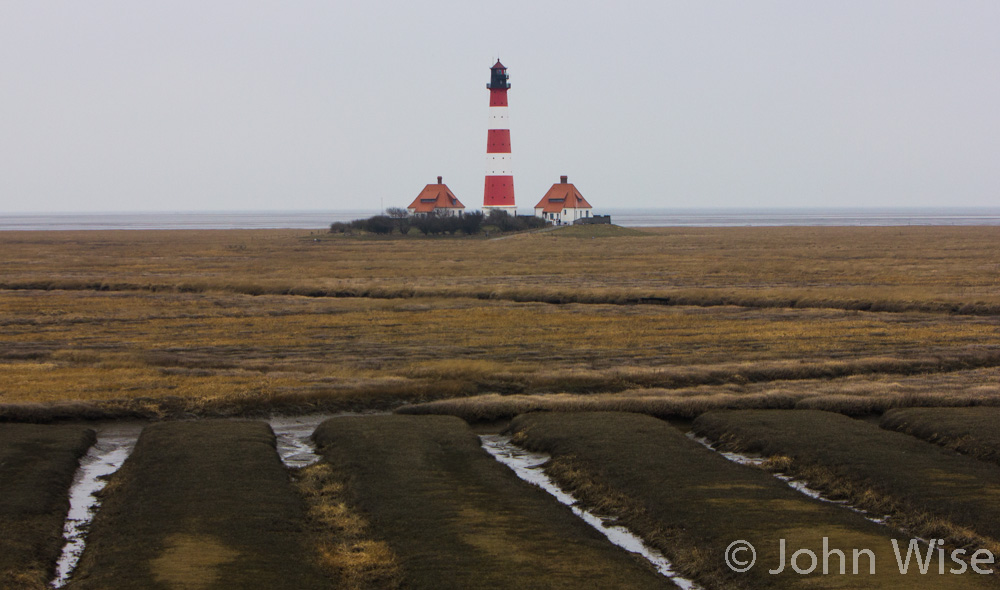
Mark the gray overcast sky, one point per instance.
(241, 105)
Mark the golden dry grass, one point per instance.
(892, 266)
(345, 546)
(856, 395)
(210, 322)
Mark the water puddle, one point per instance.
(529, 467)
(797, 485)
(113, 446)
(294, 436)
(294, 439)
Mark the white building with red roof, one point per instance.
(436, 199)
(563, 204)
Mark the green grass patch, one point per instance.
(972, 431)
(456, 518)
(691, 503)
(930, 491)
(37, 464)
(200, 505)
(596, 231)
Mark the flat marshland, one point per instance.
(154, 323)
(674, 323)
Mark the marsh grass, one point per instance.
(939, 268)
(216, 323)
(972, 431)
(218, 354)
(928, 491)
(858, 395)
(199, 505)
(691, 503)
(37, 465)
(457, 518)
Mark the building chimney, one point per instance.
(439, 180)
(564, 179)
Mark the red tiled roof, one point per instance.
(435, 196)
(562, 196)
(498, 65)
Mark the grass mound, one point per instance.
(930, 491)
(972, 431)
(37, 464)
(456, 518)
(200, 505)
(691, 503)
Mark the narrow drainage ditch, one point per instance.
(113, 446)
(294, 439)
(115, 442)
(797, 485)
(529, 467)
(294, 436)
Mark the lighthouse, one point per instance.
(499, 191)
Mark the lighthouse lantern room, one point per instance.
(499, 191)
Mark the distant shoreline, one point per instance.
(321, 220)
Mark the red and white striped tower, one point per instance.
(499, 192)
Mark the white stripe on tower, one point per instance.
(498, 193)
(498, 165)
(499, 118)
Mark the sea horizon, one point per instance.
(320, 219)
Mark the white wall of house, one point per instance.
(566, 216)
(446, 211)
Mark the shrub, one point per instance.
(505, 222)
(471, 223)
(380, 224)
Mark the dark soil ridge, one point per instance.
(522, 296)
(175, 408)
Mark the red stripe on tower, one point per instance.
(499, 190)
(498, 141)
